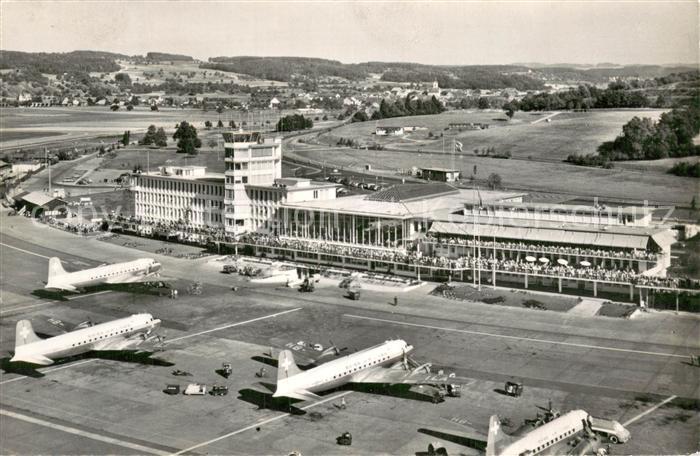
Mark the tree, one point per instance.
(232, 124)
(220, 124)
(359, 116)
(294, 122)
(154, 107)
(208, 124)
(114, 107)
(161, 139)
(150, 136)
(129, 107)
(325, 117)
(483, 103)
(126, 137)
(187, 140)
(494, 181)
(122, 79)
(212, 143)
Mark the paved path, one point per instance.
(586, 308)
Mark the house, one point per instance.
(101, 102)
(24, 97)
(274, 103)
(389, 131)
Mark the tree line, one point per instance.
(644, 139)
(294, 122)
(686, 169)
(412, 105)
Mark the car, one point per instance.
(172, 390)
(219, 390)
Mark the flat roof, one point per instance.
(630, 239)
(424, 207)
(628, 210)
(442, 170)
(208, 177)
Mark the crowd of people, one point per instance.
(414, 257)
(555, 249)
(77, 228)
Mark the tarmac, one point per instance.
(635, 371)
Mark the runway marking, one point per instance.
(259, 423)
(166, 342)
(233, 325)
(25, 251)
(89, 435)
(528, 339)
(13, 309)
(643, 414)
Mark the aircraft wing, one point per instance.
(67, 326)
(40, 360)
(136, 341)
(408, 377)
(307, 354)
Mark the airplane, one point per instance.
(386, 363)
(122, 334)
(573, 433)
(140, 270)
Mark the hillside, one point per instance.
(59, 63)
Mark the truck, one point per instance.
(195, 389)
(611, 429)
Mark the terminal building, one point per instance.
(424, 230)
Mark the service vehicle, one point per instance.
(344, 439)
(514, 388)
(226, 369)
(172, 389)
(195, 389)
(611, 429)
(219, 390)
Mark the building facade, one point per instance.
(179, 194)
(253, 160)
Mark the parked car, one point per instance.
(172, 389)
(219, 390)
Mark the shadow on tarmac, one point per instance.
(31, 370)
(454, 438)
(158, 288)
(267, 402)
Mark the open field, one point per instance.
(564, 134)
(115, 405)
(525, 175)
(159, 72)
(26, 126)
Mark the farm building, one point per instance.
(389, 131)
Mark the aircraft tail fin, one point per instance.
(497, 439)
(25, 334)
(286, 366)
(55, 268)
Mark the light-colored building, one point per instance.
(180, 194)
(250, 159)
(440, 174)
(389, 131)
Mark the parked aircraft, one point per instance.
(386, 363)
(551, 433)
(575, 432)
(140, 270)
(124, 334)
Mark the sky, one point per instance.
(436, 32)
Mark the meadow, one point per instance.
(527, 135)
(537, 152)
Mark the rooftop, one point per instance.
(441, 170)
(416, 203)
(572, 208)
(412, 192)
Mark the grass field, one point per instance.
(537, 149)
(564, 133)
(32, 125)
(160, 72)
